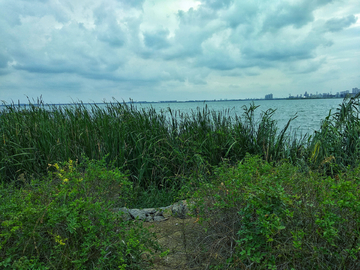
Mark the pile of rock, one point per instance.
(179, 209)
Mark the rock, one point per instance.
(159, 218)
(125, 213)
(179, 209)
(137, 214)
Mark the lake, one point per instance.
(310, 112)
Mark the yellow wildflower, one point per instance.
(59, 240)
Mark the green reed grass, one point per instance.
(337, 144)
(157, 148)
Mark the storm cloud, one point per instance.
(162, 49)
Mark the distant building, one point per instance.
(355, 91)
(344, 93)
(269, 96)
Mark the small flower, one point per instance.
(66, 180)
(59, 240)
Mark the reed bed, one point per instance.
(157, 148)
(164, 148)
(336, 145)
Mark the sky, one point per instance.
(65, 51)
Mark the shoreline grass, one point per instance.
(151, 145)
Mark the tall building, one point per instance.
(269, 96)
(344, 93)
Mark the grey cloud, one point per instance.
(304, 67)
(241, 13)
(297, 15)
(221, 38)
(261, 41)
(42, 1)
(107, 28)
(157, 39)
(195, 27)
(217, 4)
(200, 17)
(12, 11)
(9, 13)
(113, 35)
(4, 59)
(338, 24)
(282, 51)
(133, 3)
(72, 49)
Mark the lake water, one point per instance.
(310, 112)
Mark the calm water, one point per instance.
(310, 112)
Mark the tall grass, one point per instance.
(337, 144)
(157, 148)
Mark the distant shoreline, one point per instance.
(166, 101)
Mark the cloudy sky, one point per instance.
(96, 50)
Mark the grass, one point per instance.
(157, 148)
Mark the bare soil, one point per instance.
(175, 234)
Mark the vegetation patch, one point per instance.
(66, 222)
(259, 216)
(265, 198)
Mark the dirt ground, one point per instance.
(175, 234)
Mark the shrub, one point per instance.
(67, 222)
(262, 217)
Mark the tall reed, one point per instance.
(157, 148)
(337, 144)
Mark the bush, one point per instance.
(67, 222)
(262, 217)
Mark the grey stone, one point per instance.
(159, 218)
(159, 213)
(179, 209)
(136, 213)
(124, 211)
(149, 211)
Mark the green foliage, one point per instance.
(263, 217)
(67, 222)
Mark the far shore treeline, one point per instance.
(163, 147)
